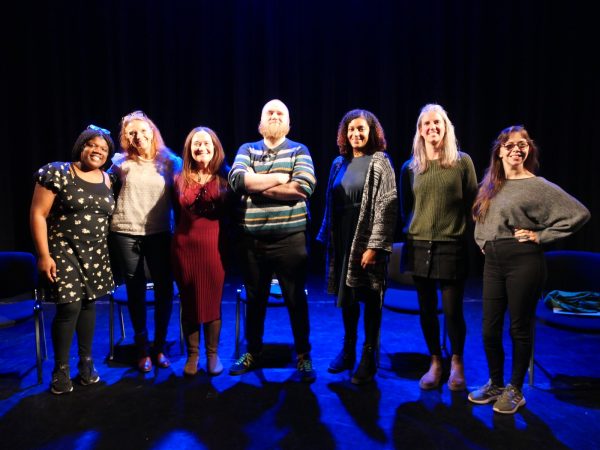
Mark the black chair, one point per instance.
(572, 271)
(118, 298)
(19, 299)
(401, 295)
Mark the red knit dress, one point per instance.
(197, 262)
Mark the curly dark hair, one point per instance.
(376, 142)
(85, 136)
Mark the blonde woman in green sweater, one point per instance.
(438, 186)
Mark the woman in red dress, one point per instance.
(197, 254)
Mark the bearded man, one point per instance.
(275, 176)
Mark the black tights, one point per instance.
(71, 317)
(372, 318)
(452, 304)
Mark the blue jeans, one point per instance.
(134, 254)
(513, 277)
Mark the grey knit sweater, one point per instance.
(533, 204)
(375, 228)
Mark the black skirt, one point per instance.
(437, 260)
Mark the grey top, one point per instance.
(349, 184)
(533, 204)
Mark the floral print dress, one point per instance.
(78, 226)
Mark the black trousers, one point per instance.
(155, 250)
(71, 317)
(286, 258)
(513, 277)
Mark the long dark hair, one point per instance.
(495, 177)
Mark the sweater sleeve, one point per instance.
(304, 172)
(323, 235)
(469, 183)
(564, 215)
(407, 198)
(241, 165)
(386, 205)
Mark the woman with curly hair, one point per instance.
(358, 230)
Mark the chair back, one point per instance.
(572, 270)
(18, 274)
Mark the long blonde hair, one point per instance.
(158, 146)
(449, 154)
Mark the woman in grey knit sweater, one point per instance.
(516, 211)
(358, 230)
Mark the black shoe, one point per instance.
(304, 369)
(61, 380)
(87, 371)
(245, 364)
(345, 360)
(365, 372)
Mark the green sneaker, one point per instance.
(245, 364)
(487, 393)
(304, 369)
(510, 400)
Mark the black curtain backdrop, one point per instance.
(187, 63)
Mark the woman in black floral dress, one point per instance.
(70, 212)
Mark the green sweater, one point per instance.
(436, 204)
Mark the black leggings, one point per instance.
(372, 317)
(513, 277)
(452, 304)
(71, 317)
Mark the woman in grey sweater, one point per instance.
(516, 211)
(358, 229)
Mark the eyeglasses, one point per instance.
(522, 145)
(269, 156)
(201, 204)
(98, 129)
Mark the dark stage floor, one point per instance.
(265, 409)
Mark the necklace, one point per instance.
(203, 178)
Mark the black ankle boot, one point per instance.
(345, 359)
(366, 368)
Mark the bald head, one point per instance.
(274, 120)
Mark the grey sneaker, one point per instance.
(87, 372)
(304, 369)
(487, 393)
(61, 380)
(245, 364)
(510, 400)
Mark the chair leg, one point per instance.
(38, 346)
(531, 359)
(237, 323)
(122, 321)
(111, 328)
(181, 337)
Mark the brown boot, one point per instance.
(456, 382)
(192, 341)
(212, 331)
(431, 380)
